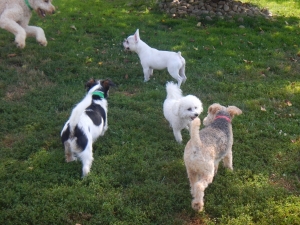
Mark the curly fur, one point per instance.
(180, 110)
(207, 148)
(15, 16)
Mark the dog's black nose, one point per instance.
(196, 114)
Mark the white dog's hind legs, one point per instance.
(38, 33)
(86, 158)
(175, 75)
(182, 74)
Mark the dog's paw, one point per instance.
(20, 44)
(197, 206)
(43, 43)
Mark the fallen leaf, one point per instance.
(100, 63)
(247, 61)
(11, 55)
(198, 24)
(73, 27)
(288, 103)
(126, 76)
(263, 108)
(195, 48)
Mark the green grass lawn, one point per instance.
(138, 175)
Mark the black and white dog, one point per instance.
(87, 122)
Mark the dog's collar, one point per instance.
(98, 93)
(27, 3)
(223, 117)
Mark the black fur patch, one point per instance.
(81, 138)
(65, 135)
(96, 113)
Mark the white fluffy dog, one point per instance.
(15, 16)
(180, 110)
(87, 122)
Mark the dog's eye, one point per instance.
(195, 107)
(190, 109)
(46, 1)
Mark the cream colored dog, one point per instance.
(15, 16)
(207, 148)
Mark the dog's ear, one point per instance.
(137, 36)
(214, 108)
(107, 83)
(233, 110)
(91, 83)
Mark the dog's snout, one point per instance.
(196, 114)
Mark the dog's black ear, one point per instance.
(107, 83)
(91, 83)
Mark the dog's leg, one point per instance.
(182, 73)
(177, 134)
(147, 73)
(151, 72)
(200, 186)
(174, 73)
(87, 159)
(193, 178)
(38, 33)
(13, 27)
(228, 160)
(68, 153)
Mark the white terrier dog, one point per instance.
(180, 110)
(15, 16)
(152, 58)
(87, 122)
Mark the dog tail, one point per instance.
(194, 132)
(173, 91)
(78, 111)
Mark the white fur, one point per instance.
(15, 16)
(180, 110)
(92, 132)
(152, 58)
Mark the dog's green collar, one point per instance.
(27, 3)
(98, 93)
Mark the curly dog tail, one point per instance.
(173, 91)
(78, 111)
(194, 132)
